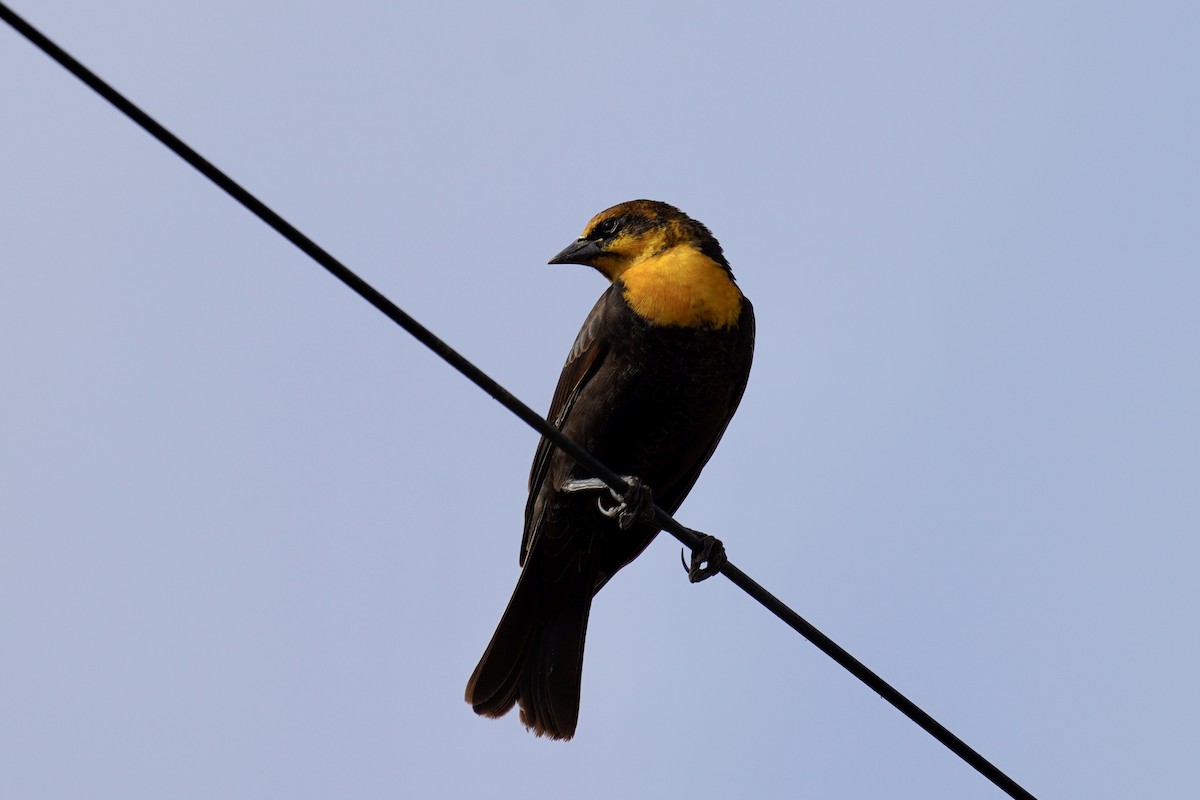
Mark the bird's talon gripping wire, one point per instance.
(610, 512)
(707, 560)
(635, 505)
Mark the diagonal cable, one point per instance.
(686, 536)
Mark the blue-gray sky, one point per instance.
(253, 538)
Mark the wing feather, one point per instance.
(585, 358)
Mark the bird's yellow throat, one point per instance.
(682, 287)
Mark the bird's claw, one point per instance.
(636, 505)
(707, 559)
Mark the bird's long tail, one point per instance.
(535, 657)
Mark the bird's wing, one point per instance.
(585, 358)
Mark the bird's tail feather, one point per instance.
(535, 657)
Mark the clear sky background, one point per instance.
(253, 538)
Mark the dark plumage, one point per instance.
(649, 386)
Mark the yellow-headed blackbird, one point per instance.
(649, 386)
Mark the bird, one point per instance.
(649, 386)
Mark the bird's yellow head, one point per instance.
(628, 234)
(669, 267)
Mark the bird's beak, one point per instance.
(580, 251)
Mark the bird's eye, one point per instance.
(608, 227)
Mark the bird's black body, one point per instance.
(649, 400)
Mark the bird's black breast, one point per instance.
(647, 400)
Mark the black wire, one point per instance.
(688, 537)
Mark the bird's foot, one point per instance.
(707, 559)
(635, 505)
